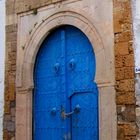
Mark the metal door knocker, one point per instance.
(57, 67)
(72, 64)
(53, 111)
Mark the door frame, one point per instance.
(104, 72)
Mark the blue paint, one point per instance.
(64, 72)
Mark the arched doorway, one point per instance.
(65, 103)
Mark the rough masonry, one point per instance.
(124, 65)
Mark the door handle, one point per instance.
(67, 115)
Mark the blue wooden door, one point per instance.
(65, 103)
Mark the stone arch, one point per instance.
(104, 76)
(68, 17)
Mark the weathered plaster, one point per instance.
(136, 29)
(2, 61)
(94, 18)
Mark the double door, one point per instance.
(65, 102)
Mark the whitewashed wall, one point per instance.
(136, 29)
(2, 60)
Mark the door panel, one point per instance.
(85, 123)
(63, 77)
(49, 89)
(79, 51)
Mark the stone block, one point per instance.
(118, 61)
(11, 37)
(128, 60)
(120, 73)
(120, 134)
(7, 107)
(10, 126)
(6, 135)
(7, 117)
(13, 112)
(127, 130)
(117, 5)
(123, 36)
(13, 46)
(130, 129)
(129, 73)
(119, 21)
(117, 26)
(126, 26)
(124, 73)
(127, 85)
(126, 113)
(121, 48)
(125, 98)
(11, 91)
(11, 28)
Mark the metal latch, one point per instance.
(65, 115)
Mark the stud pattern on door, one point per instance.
(65, 102)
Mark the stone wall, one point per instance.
(125, 98)
(9, 108)
(124, 64)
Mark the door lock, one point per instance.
(65, 115)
